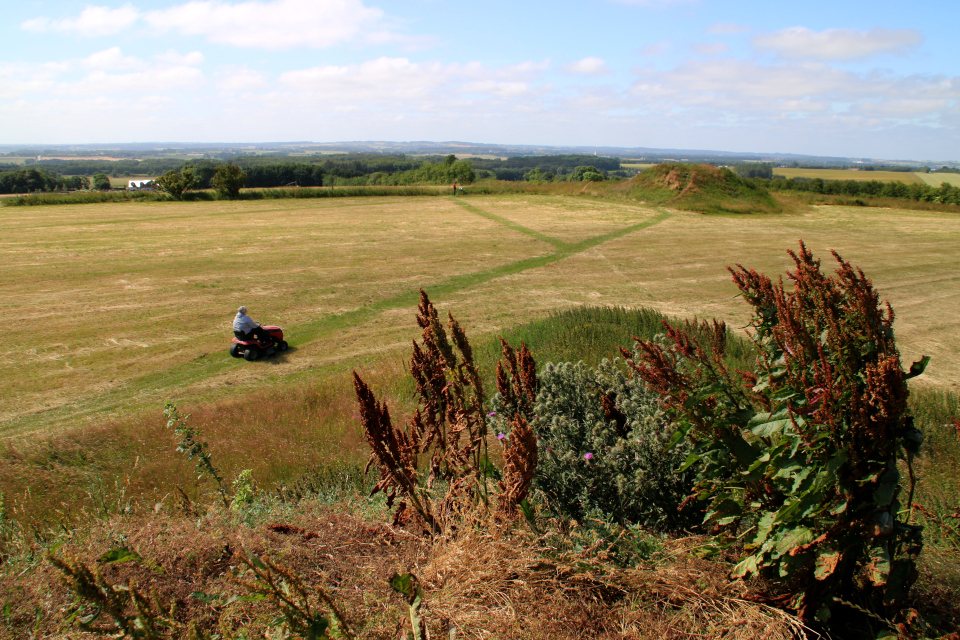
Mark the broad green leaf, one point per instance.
(120, 554)
(405, 584)
(792, 539)
(692, 459)
(745, 567)
(827, 562)
(878, 569)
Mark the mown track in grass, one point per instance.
(158, 385)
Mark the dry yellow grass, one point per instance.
(846, 174)
(936, 179)
(115, 308)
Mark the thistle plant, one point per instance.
(191, 445)
(600, 440)
(798, 460)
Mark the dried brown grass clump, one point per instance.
(193, 568)
(490, 581)
(497, 583)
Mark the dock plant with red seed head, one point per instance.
(798, 459)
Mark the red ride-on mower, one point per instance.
(253, 348)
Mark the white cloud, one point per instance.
(726, 29)
(710, 48)
(277, 24)
(111, 58)
(837, 44)
(192, 59)
(737, 89)
(388, 82)
(164, 80)
(591, 66)
(242, 79)
(91, 23)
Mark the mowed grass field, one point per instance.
(113, 309)
(936, 179)
(844, 174)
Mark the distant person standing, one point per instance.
(454, 188)
(244, 327)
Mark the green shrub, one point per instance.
(601, 446)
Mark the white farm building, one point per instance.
(141, 185)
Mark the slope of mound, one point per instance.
(701, 188)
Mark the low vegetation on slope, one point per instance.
(701, 188)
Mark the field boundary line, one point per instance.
(559, 244)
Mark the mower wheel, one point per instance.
(235, 350)
(282, 345)
(251, 354)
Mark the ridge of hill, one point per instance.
(700, 188)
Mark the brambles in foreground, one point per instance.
(799, 460)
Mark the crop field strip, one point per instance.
(844, 174)
(936, 179)
(171, 378)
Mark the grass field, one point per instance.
(116, 308)
(936, 179)
(843, 174)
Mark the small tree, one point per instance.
(228, 180)
(176, 183)
(101, 182)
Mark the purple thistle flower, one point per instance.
(501, 436)
(588, 456)
(549, 449)
(491, 414)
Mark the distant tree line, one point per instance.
(547, 168)
(918, 192)
(30, 180)
(754, 170)
(264, 171)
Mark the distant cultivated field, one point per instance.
(112, 309)
(843, 174)
(936, 179)
(639, 166)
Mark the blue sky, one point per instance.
(873, 79)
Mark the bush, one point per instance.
(101, 182)
(228, 180)
(601, 444)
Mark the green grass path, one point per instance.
(210, 364)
